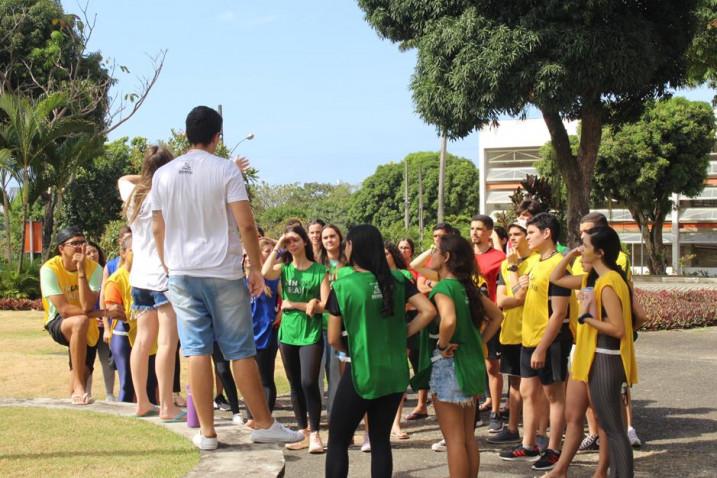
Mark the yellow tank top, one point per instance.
(586, 338)
(121, 278)
(510, 331)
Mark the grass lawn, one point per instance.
(66, 443)
(35, 366)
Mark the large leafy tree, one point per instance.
(643, 163)
(380, 200)
(597, 62)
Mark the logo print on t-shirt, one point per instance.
(186, 169)
(376, 292)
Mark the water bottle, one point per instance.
(192, 419)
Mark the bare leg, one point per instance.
(396, 428)
(246, 374)
(165, 361)
(451, 419)
(515, 403)
(75, 331)
(556, 396)
(201, 382)
(575, 406)
(495, 383)
(147, 328)
(530, 391)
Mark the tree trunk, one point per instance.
(651, 232)
(442, 177)
(25, 215)
(48, 227)
(577, 171)
(8, 232)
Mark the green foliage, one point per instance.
(380, 200)
(593, 61)
(641, 164)
(24, 284)
(274, 205)
(92, 199)
(110, 237)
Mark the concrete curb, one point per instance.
(236, 454)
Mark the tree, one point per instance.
(92, 200)
(31, 132)
(380, 200)
(596, 62)
(642, 164)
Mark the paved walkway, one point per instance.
(675, 415)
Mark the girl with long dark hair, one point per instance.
(458, 366)
(604, 358)
(303, 283)
(369, 304)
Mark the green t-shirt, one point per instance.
(468, 358)
(334, 271)
(297, 328)
(377, 343)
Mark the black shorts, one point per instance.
(510, 359)
(494, 347)
(53, 327)
(556, 362)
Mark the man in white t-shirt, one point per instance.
(198, 202)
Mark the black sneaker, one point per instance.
(220, 403)
(520, 453)
(505, 414)
(547, 460)
(504, 437)
(589, 443)
(495, 424)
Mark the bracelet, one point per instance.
(83, 276)
(582, 318)
(513, 268)
(441, 349)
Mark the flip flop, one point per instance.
(77, 400)
(152, 412)
(178, 418)
(400, 436)
(87, 399)
(416, 416)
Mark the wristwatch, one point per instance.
(513, 268)
(586, 315)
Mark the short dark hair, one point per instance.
(547, 221)
(202, 124)
(444, 226)
(485, 219)
(318, 221)
(531, 206)
(597, 219)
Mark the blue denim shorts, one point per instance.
(145, 299)
(210, 309)
(444, 383)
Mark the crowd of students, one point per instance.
(195, 272)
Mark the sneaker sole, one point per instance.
(495, 430)
(504, 442)
(544, 468)
(520, 458)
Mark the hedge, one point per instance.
(678, 309)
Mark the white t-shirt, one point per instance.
(147, 271)
(201, 237)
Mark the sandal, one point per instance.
(77, 400)
(400, 435)
(416, 416)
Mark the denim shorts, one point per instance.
(444, 383)
(210, 309)
(145, 299)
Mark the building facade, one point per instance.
(507, 154)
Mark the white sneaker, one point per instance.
(632, 436)
(205, 443)
(110, 398)
(366, 445)
(237, 419)
(439, 446)
(276, 433)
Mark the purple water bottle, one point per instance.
(192, 419)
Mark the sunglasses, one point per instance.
(78, 243)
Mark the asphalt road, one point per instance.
(675, 407)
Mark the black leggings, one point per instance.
(607, 376)
(176, 386)
(302, 365)
(223, 368)
(349, 408)
(265, 359)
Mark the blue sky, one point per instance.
(327, 98)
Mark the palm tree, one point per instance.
(30, 130)
(7, 174)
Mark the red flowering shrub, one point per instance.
(20, 304)
(678, 309)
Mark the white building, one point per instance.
(507, 154)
